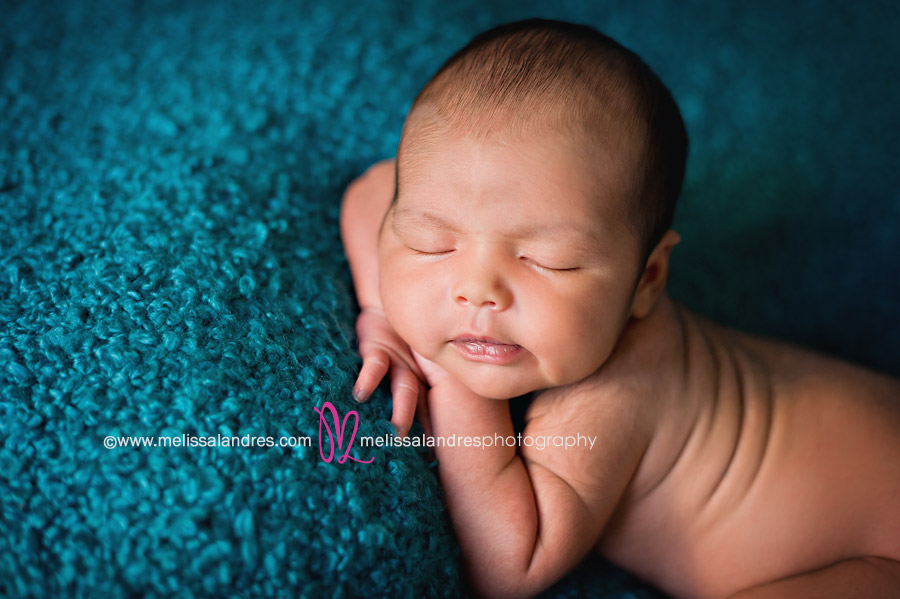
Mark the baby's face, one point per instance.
(504, 264)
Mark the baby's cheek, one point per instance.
(394, 296)
(407, 314)
(572, 342)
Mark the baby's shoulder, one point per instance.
(592, 435)
(610, 406)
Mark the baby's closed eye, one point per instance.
(431, 243)
(435, 252)
(549, 265)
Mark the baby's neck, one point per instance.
(655, 340)
(653, 345)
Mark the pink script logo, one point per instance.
(339, 432)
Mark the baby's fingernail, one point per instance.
(359, 395)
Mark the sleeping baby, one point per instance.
(519, 245)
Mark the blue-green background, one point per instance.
(170, 177)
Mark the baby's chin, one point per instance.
(491, 382)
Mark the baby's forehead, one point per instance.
(439, 178)
(430, 125)
(556, 161)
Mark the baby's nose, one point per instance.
(482, 289)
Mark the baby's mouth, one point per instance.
(486, 349)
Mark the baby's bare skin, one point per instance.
(725, 464)
(763, 460)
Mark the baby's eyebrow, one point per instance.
(412, 217)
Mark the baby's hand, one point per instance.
(434, 374)
(382, 350)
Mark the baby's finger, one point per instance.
(375, 365)
(425, 419)
(405, 391)
(422, 412)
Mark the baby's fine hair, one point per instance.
(520, 77)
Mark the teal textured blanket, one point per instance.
(170, 267)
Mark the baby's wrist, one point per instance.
(370, 308)
(449, 388)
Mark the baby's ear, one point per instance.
(655, 275)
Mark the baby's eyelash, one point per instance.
(423, 253)
(540, 266)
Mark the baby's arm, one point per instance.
(365, 203)
(523, 521)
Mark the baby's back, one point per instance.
(767, 461)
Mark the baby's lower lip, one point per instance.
(491, 352)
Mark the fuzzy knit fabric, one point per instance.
(170, 266)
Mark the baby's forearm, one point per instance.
(487, 489)
(492, 500)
